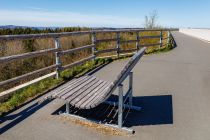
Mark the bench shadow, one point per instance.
(20, 116)
(156, 110)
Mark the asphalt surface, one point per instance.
(173, 88)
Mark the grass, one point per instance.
(23, 95)
(27, 93)
(157, 50)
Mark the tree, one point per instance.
(151, 20)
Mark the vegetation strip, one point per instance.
(23, 95)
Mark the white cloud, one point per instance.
(39, 17)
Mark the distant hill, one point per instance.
(34, 28)
(43, 28)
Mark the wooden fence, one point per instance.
(58, 67)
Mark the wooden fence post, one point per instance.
(57, 58)
(168, 38)
(118, 44)
(161, 39)
(93, 43)
(137, 41)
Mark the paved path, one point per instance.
(203, 34)
(177, 84)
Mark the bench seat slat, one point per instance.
(72, 86)
(98, 97)
(94, 95)
(57, 91)
(89, 96)
(81, 96)
(79, 89)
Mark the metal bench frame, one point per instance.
(122, 98)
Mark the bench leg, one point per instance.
(130, 96)
(120, 106)
(67, 108)
(131, 88)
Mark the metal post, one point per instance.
(161, 39)
(137, 39)
(94, 43)
(118, 44)
(57, 57)
(168, 38)
(67, 108)
(120, 106)
(131, 89)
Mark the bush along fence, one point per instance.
(56, 69)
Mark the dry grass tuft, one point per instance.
(94, 126)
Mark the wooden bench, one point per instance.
(88, 91)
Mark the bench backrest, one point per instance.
(129, 66)
(125, 72)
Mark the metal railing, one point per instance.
(58, 67)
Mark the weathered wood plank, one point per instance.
(89, 93)
(27, 55)
(86, 99)
(82, 96)
(93, 39)
(62, 87)
(57, 58)
(129, 66)
(133, 30)
(98, 97)
(78, 62)
(56, 92)
(43, 35)
(56, 35)
(138, 40)
(77, 94)
(118, 44)
(76, 89)
(95, 96)
(71, 87)
(28, 75)
(76, 49)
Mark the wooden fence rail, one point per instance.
(27, 55)
(58, 67)
(64, 34)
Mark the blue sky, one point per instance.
(109, 13)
